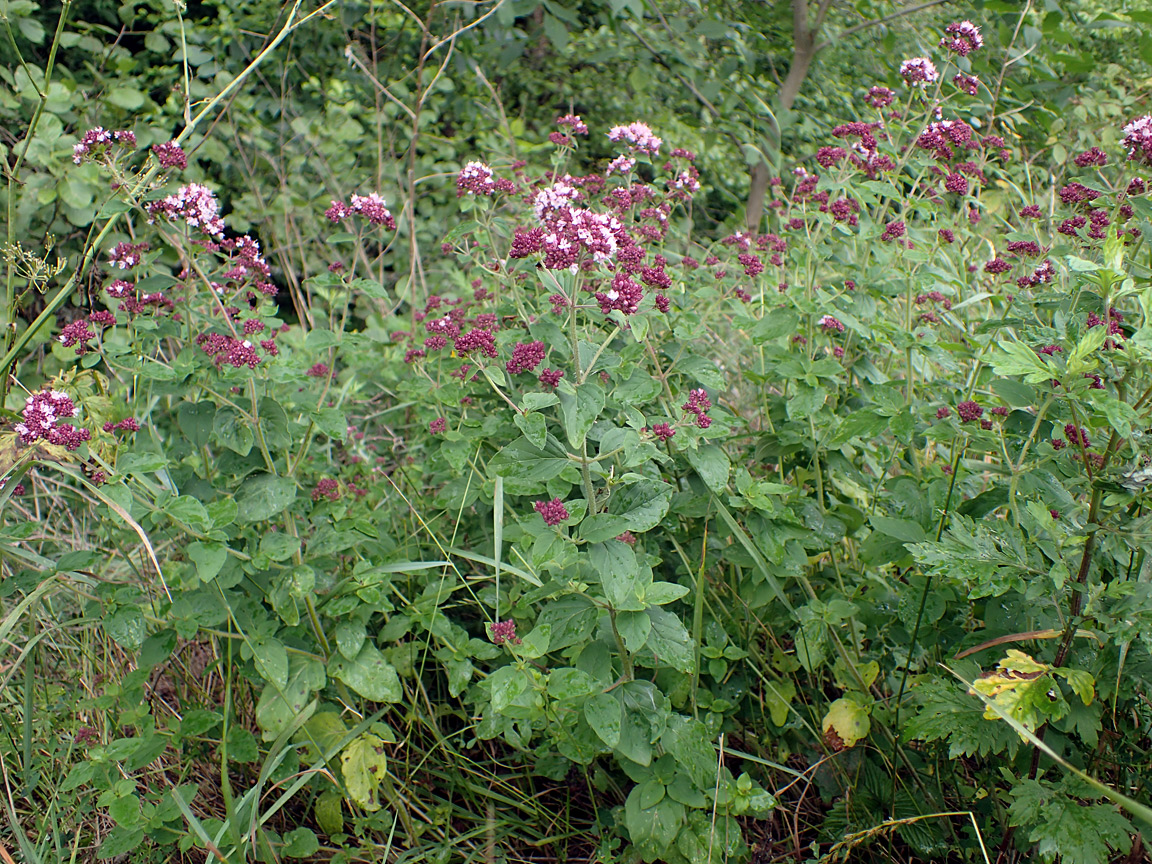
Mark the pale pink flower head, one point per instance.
(620, 165)
(371, 206)
(918, 72)
(963, 37)
(574, 124)
(1138, 139)
(638, 136)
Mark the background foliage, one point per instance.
(268, 623)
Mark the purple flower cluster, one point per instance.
(918, 72)
(438, 425)
(505, 631)
(879, 97)
(624, 294)
(1091, 156)
(969, 411)
(41, 415)
(228, 350)
(476, 178)
(831, 324)
(326, 488)
(96, 140)
(969, 84)
(170, 155)
(698, 403)
(129, 424)
(526, 356)
(370, 206)
(550, 377)
(193, 204)
(553, 512)
(1138, 140)
(574, 124)
(126, 255)
(663, 431)
(963, 37)
(638, 136)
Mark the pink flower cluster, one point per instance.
(170, 155)
(195, 205)
(326, 488)
(553, 512)
(127, 255)
(41, 415)
(963, 37)
(831, 324)
(96, 140)
(575, 125)
(919, 72)
(638, 136)
(505, 631)
(698, 403)
(370, 206)
(228, 350)
(476, 178)
(526, 356)
(969, 411)
(1138, 140)
(624, 295)
(129, 424)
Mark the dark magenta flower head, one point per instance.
(969, 411)
(553, 512)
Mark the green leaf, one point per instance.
(669, 641)
(363, 765)
(652, 829)
(279, 546)
(350, 636)
(643, 504)
(234, 431)
(636, 738)
(711, 463)
(209, 557)
(534, 427)
(300, 843)
(277, 708)
(523, 460)
(1015, 393)
(271, 659)
(904, 530)
(603, 526)
(634, 628)
(186, 509)
(125, 97)
(620, 574)
(263, 496)
(1061, 825)
(332, 423)
(661, 593)
(329, 812)
(580, 409)
(196, 421)
(120, 841)
(605, 714)
(1016, 358)
(369, 674)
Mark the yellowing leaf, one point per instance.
(848, 719)
(364, 765)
